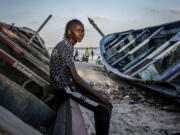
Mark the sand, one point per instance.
(129, 119)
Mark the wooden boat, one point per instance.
(147, 57)
(25, 87)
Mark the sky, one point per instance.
(110, 15)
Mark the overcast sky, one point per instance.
(110, 15)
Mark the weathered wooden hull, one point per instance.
(23, 104)
(11, 125)
(148, 57)
(23, 61)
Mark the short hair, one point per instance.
(70, 24)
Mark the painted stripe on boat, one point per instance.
(12, 35)
(139, 46)
(148, 57)
(170, 73)
(146, 41)
(120, 41)
(161, 48)
(108, 38)
(9, 44)
(123, 57)
(30, 57)
(163, 54)
(22, 68)
(173, 77)
(124, 47)
(115, 40)
(6, 58)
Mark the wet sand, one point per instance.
(129, 119)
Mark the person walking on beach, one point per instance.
(92, 54)
(66, 82)
(76, 55)
(87, 54)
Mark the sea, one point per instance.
(82, 52)
(91, 60)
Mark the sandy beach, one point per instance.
(139, 118)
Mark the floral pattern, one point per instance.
(61, 58)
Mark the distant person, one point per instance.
(98, 60)
(76, 55)
(66, 82)
(92, 54)
(87, 54)
(83, 58)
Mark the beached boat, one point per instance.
(25, 92)
(147, 57)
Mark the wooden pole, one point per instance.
(49, 17)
